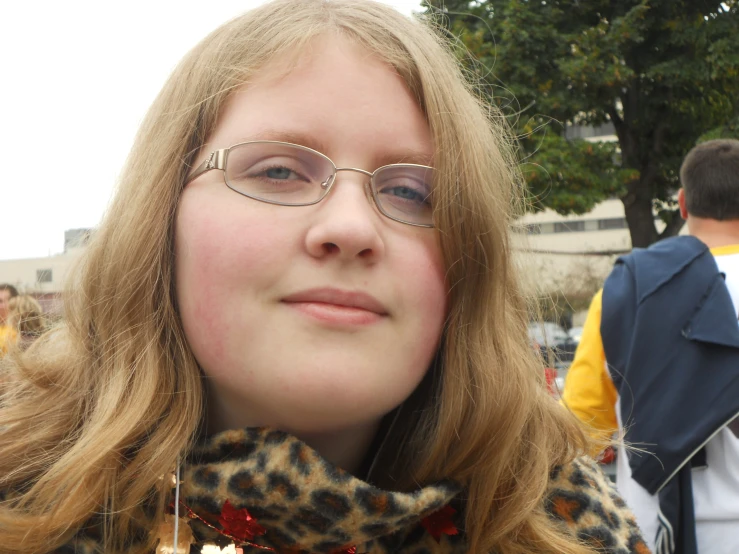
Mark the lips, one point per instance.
(337, 297)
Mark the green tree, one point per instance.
(665, 73)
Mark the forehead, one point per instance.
(338, 96)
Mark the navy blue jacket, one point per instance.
(671, 340)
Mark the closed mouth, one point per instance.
(336, 297)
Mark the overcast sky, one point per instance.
(78, 77)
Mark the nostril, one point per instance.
(330, 247)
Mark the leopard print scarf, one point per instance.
(307, 505)
(279, 495)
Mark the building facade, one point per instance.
(557, 251)
(45, 278)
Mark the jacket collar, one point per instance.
(666, 259)
(709, 322)
(304, 503)
(657, 265)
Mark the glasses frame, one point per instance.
(219, 158)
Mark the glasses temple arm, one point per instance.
(216, 160)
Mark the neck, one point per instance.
(344, 446)
(714, 233)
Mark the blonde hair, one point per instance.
(100, 409)
(26, 315)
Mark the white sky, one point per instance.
(78, 77)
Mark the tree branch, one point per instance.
(618, 123)
(613, 114)
(659, 136)
(659, 132)
(673, 226)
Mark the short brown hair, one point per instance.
(10, 288)
(710, 179)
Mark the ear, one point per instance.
(682, 204)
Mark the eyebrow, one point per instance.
(286, 136)
(404, 156)
(394, 156)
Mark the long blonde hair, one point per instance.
(98, 410)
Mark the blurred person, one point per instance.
(658, 363)
(302, 304)
(7, 332)
(26, 316)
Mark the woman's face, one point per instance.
(321, 317)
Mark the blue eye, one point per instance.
(406, 193)
(280, 173)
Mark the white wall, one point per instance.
(23, 273)
(553, 260)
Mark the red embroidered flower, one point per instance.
(239, 523)
(440, 523)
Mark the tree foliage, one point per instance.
(665, 73)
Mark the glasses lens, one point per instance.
(403, 192)
(278, 173)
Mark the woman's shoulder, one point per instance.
(585, 500)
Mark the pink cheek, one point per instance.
(229, 245)
(204, 329)
(432, 276)
(228, 252)
(427, 291)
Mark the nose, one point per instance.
(345, 223)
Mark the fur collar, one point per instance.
(304, 503)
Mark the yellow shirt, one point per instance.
(588, 390)
(8, 336)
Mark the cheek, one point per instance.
(431, 273)
(431, 297)
(426, 293)
(224, 256)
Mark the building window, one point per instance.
(43, 276)
(612, 223)
(546, 228)
(591, 225)
(569, 226)
(533, 229)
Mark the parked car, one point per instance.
(553, 340)
(576, 334)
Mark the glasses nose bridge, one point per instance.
(329, 183)
(355, 169)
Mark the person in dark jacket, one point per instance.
(659, 361)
